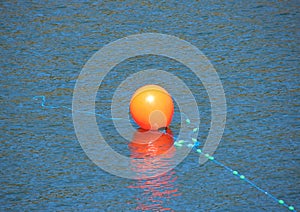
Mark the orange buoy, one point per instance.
(152, 107)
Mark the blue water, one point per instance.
(253, 45)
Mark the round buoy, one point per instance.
(152, 107)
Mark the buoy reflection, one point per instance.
(146, 145)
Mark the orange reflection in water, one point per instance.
(156, 190)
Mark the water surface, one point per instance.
(254, 47)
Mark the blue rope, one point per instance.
(194, 143)
(43, 104)
(242, 177)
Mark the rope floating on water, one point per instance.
(43, 104)
(234, 172)
(195, 144)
